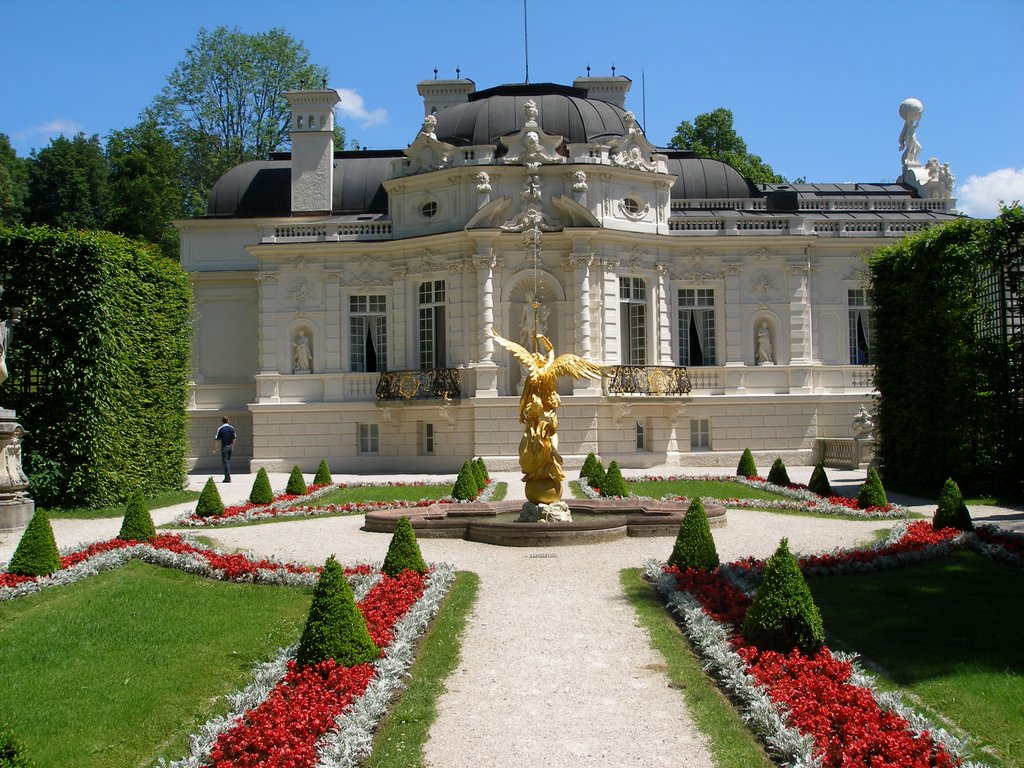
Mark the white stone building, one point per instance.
(344, 299)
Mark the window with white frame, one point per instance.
(431, 325)
(368, 333)
(369, 439)
(633, 313)
(696, 326)
(860, 328)
(427, 438)
(700, 434)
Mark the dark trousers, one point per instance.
(225, 458)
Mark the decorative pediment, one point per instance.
(426, 153)
(531, 146)
(489, 214)
(575, 214)
(633, 151)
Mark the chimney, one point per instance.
(441, 94)
(611, 89)
(312, 135)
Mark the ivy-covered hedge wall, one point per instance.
(99, 363)
(947, 405)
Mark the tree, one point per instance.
(712, 135)
(13, 183)
(67, 184)
(145, 185)
(224, 102)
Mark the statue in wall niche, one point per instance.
(579, 181)
(764, 345)
(302, 354)
(483, 182)
(863, 426)
(911, 111)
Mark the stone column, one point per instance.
(663, 315)
(800, 353)
(581, 261)
(486, 369)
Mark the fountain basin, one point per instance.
(594, 521)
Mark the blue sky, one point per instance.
(814, 86)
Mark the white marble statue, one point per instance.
(863, 426)
(302, 354)
(911, 111)
(764, 345)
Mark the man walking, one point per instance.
(226, 437)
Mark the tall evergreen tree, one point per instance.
(13, 183)
(67, 184)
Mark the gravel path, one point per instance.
(555, 670)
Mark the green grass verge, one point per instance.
(118, 669)
(399, 742)
(732, 744)
(362, 493)
(948, 631)
(716, 489)
(166, 499)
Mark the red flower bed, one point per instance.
(1011, 542)
(283, 731)
(848, 727)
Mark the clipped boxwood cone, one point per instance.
(695, 546)
(819, 483)
(296, 483)
(335, 627)
(872, 494)
(37, 553)
(138, 523)
(261, 492)
(747, 467)
(778, 475)
(323, 474)
(209, 504)
(404, 551)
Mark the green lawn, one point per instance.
(118, 669)
(949, 632)
(360, 493)
(718, 489)
(165, 499)
(731, 742)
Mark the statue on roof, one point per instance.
(911, 111)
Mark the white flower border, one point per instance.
(769, 721)
(803, 500)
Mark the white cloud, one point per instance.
(352, 106)
(56, 127)
(979, 196)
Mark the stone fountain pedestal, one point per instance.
(16, 507)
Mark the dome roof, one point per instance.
(499, 112)
(700, 178)
(263, 187)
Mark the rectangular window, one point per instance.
(427, 441)
(641, 442)
(700, 434)
(368, 333)
(860, 328)
(369, 439)
(696, 326)
(633, 313)
(431, 325)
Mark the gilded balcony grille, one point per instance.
(430, 384)
(656, 380)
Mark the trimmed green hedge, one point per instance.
(99, 364)
(947, 406)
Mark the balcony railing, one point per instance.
(431, 384)
(656, 380)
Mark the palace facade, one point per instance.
(345, 300)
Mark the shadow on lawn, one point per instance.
(929, 620)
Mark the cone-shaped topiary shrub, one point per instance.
(37, 553)
(478, 476)
(209, 501)
(296, 483)
(323, 474)
(261, 492)
(483, 469)
(778, 474)
(137, 524)
(952, 512)
(403, 552)
(613, 484)
(465, 488)
(12, 751)
(747, 467)
(335, 628)
(783, 614)
(694, 547)
(819, 483)
(597, 475)
(872, 494)
(589, 463)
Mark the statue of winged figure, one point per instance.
(538, 449)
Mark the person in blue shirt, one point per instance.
(226, 436)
